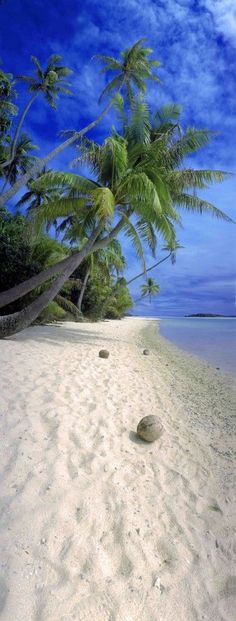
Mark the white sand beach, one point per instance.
(94, 523)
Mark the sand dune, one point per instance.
(96, 524)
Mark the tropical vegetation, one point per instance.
(136, 182)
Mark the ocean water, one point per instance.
(213, 340)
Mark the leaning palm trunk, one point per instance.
(149, 269)
(9, 296)
(10, 324)
(128, 282)
(83, 289)
(19, 291)
(39, 165)
(18, 130)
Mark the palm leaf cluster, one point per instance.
(7, 108)
(150, 288)
(132, 70)
(139, 177)
(50, 81)
(23, 158)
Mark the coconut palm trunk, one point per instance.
(128, 282)
(9, 296)
(18, 321)
(18, 130)
(148, 269)
(83, 289)
(39, 165)
(10, 324)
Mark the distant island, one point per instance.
(210, 315)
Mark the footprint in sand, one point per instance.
(97, 607)
(227, 604)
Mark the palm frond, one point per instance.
(63, 207)
(68, 306)
(198, 205)
(111, 86)
(104, 202)
(191, 178)
(139, 128)
(131, 232)
(38, 66)
(167, 113)
(63, 181)
(140, 192)
(147, 233)
(190, 142)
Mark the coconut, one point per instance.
(150, 428)
(104, 353)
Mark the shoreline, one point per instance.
(96, 523)
(193, 357)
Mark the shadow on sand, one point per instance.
(59, 334)
(133, 436)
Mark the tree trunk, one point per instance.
(148, 269)
(10, 324)
(18, 130)
(135, 278)
(10, 295)
(83, 288)
(37, 167)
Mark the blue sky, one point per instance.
(195, 40)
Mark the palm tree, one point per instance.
(171, 248)
(132, 70)
(22, 160)
(137, 189)
(34, 198)
(138, 66)
(46, 251)
(51, 82)
(151, 288)
(107, 260)
(7, 108)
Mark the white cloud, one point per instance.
(224, 15)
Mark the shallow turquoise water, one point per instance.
(214, 340)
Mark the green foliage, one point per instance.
(23, 254)
(119, 303)
(16, 260)
(50, 81)
(102, 299)
(132, 71)
(151, 288)
(22, 160)
(140, 181)
(33, 198)
(7, 107)
(52, 312)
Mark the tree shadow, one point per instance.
(59, 335)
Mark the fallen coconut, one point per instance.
(104, 353)
(150, 428)
(146, 352)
